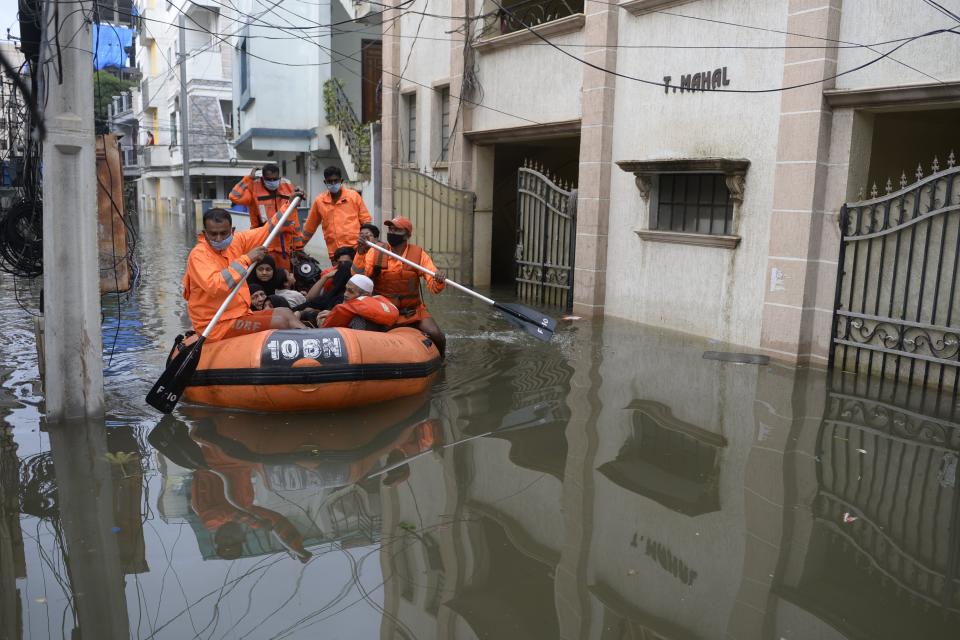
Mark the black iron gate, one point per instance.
(897, 312)
(546, 236)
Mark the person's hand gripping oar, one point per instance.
(535, 323)
(169, 387)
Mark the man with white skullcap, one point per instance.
(360, 309)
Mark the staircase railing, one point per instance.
(341, 114)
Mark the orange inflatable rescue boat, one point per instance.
(312, 369)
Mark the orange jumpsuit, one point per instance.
(400, 283)
(211, 275)
(262, 205)
(341, 220)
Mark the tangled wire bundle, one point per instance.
(21, 239)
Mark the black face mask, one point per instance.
(396, 239)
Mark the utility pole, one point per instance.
(73, 345)
(185, 128)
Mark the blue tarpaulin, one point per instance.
(110, 42)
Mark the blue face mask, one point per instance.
(221, 245)
(272, 185)
(334, 188)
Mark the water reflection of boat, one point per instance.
(255, 490)
(313, 369)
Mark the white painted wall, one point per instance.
(286, 75)
(424, 65)
(703, 291)
(873, 21)
(530, 83)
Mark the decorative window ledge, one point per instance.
(570, 24)
(733, 170)
(640, 7)
(696, 239)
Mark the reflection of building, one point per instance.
(883, 546)
(688, 504)
(12, 560)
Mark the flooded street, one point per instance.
(610, 484)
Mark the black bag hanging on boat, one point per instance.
(306, 270)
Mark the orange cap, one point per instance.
(401, 223)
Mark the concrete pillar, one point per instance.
(798, 278)
(460, 150)
(596, 148)
(73, 387)
(390, 106)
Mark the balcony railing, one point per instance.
(517, 15)
(120, 104)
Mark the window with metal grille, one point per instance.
(444, 123)
(411, 100)
(173, 128)
(693, 203)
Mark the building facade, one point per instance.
(712, 145)
(213, 162)
(307, 97)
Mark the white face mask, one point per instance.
(272, 185)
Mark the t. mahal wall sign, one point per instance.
(704, 81)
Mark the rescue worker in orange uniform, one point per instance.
(340, 211)
(401, 283)
(369, 232)
(265, 196)
(361, 309)
(215, 265)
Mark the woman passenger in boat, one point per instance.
(267, 275)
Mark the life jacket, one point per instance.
(401, 287)
(376, 309)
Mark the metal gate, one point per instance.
(546, 237)
(897, 312)
(442, 220)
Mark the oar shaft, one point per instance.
(243, 276)
(455, 285)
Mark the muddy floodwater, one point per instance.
(612, 484)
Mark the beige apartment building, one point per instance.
(684, 163)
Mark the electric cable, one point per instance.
(721, 90)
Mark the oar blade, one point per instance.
(535, 323)
(167, 390)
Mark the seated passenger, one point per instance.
(361, 309)
(268, 276)
(327, 292)
(257, 297)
